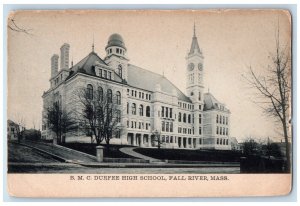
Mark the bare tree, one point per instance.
(13, 26)
(60, 122)
(100, 112)
(157, 138)
(274, 90)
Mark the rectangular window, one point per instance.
(109, 75)
(139, 94)
(162, 111)
(105, 74)
(167, 127)
(200, 141)
(163, 126)
(200, 118)
(167, 112)
(171, 113)
(142, 95)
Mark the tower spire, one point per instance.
(195, 46)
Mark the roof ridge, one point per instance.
(163, 77)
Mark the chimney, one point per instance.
(54, 65)
(64, 56)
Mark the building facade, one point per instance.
(150, 103)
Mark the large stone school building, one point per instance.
(150, 102)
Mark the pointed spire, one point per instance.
(195, 46)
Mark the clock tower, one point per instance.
(194, 73)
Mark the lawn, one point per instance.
(89, 148)
(191, 155)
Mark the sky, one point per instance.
(230, 40)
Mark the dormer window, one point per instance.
(117, 51)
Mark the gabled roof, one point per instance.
(86, 66)
(145, 79)
(211, 103)
(87, 63)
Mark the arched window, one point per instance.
(184, 117)
(179, 117)
(141, 110)
(118, 94)
(148, 111)
(89, 91)
(100, 94)
(133, 109)
(120, 70)
(189, 118)
(109, 96)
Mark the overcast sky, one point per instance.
(157, 41)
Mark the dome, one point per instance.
(115, 40)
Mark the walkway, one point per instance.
(66, 154)
(129, 151)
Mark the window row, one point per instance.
(105, 74)
(118, 51)
(185, 130)
(166, 112)
(138, 125)
(166, 126)
(222, 130)
(185, 105)
(222, 119)
(222, 141)
(140, 95)
(185, 118)
(141, 109)
(168, 139)
(100, 96)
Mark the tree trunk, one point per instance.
(287, 146)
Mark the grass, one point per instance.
(112, 152)
(191, 155)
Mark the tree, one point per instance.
(100, 112)
(274, 90)
(157, 138)
(13, 26)
(251, 147)
(60, 121)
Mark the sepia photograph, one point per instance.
(151, 94)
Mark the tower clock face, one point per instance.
(191, 66)
(200, 66)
